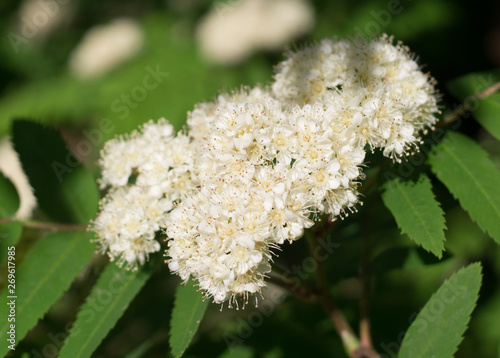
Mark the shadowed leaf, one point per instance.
(9, 199)
(65, 190)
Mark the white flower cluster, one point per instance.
(161, 166)
(105, 47)
(258, 167)
(233, 30)
(376, 89)
(266, 170)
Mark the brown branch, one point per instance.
(465, 107)
(301, 291)
(489, 91)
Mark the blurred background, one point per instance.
(93, 69)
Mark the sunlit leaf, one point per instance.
(46, 272)
(417, 212)
(438, 328)
(113, 293)
(189, 308)
(465, 169)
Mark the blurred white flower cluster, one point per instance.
(257, 167)
(235, 29)
(104, 47)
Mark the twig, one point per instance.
(465, 107)
(301, 291)
(489, 90)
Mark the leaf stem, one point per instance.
(41, 225)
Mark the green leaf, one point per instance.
(487, 109)
(109, 299)
(237, 352)
(189, 308)
(65, 190)
(437, 330)
(46, 272)
(9, 202)
(417, 212)
(465, 169)
(9, 236)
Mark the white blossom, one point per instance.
(257, 167)
(377, 88)
(161, 165)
